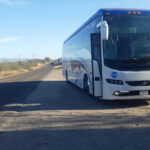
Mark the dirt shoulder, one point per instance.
(59, 116)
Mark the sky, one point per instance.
(37, 28)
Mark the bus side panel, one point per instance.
(77, 57)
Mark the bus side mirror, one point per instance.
(104, 30)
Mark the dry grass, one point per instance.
(58, 67)
(38, 66)
(15, 72)
(11, 73)
(11, 69)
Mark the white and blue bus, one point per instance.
(109, 55)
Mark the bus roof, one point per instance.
(111, 11)
(124, 11)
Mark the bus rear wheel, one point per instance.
(67, 76)
(86, 85)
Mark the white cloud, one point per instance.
(14, 2)
(8, 2)
(9, 39)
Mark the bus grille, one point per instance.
(138, 83)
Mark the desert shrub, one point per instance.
(27, 64)
(8, 66)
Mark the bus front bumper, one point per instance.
(118, 92)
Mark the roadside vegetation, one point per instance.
(13, 68)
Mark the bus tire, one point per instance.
(66, 75)
(86, 86)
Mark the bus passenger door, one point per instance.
(96, 61)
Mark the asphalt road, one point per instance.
(16, 88)
(56, 115)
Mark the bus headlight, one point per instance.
(112, 81)
(120, 93)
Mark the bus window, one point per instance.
(96, 46)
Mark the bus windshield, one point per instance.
(128, 46)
